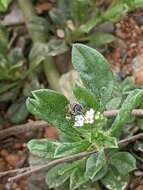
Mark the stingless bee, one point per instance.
(75, 109)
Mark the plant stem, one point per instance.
(50, 69)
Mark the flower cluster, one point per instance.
(88, 118)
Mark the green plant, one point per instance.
(4, 5)
(69, 23)
(86, 128)
(72, 23)
(16, 78)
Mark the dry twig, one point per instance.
(13, 130)
(33, 125)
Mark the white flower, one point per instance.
(89, 116)
(79, 121)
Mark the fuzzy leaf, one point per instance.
(84, 96)
(56, 47)
(100, 38)
(132, 101)
(48, 105)
(77, 178)
(71, 148)
(113, 180)
(52, 107)
(66, 167)
(94, 165)
(54, 179)
(114, 103)
(35, 57)
(115, 12)
(103, 140)
(124, 162)
(94, 71)
(57, 17)
(42, 148)
(17, 112)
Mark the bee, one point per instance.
(75, 109)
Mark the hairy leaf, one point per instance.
(17, 112)
(114, 103)
(52, 107)
(84, 96)
(124, 162)
(42, 148)
(95, 163)
(113, 180)
(71, 148)
(94, 71)
(115, 12)
(54, 179)
(100, 38)
(103, 140)
(77, 177)
(132, 101)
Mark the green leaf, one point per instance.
(52, 107)
(4, 36)
(132, 101)
(136, 4)
(103, 140)
(84, 96)
(54, 179)
(17, 112)
(91, 23)
(115, 12)
(57, 17)
(35, 56)
(114, 103)
(66, 167)
(128, 84)
(101, 173)
(4, 5)
(40, 28)
(77, 177)
(124, 162)
(95, 163)
(4, 88)
(52, 48)
(94, 71)
(71, 148)
(77, 11)
(42, 148)
(49, 105)
(113, 180)
(100, 38)
(56, 47)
